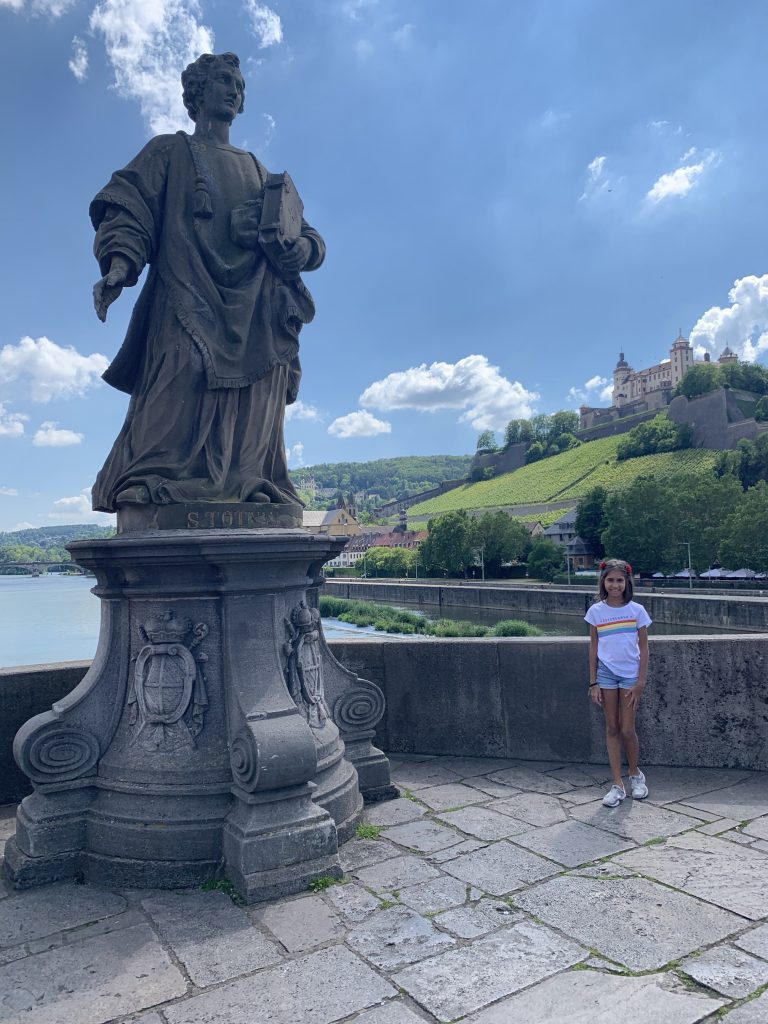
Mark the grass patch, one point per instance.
(323, 882)
(395, 620)
(365, 831)
(224, 885)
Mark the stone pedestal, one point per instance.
(208, 737)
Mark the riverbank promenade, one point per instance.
(493, 891)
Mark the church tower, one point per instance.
(680, 358)
(621, 390)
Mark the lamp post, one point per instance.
(687, 544)
(568, 567)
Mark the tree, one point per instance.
(541, 426)
(590, 519)
(749, 462)
(701, 378)
(761, 410)
(517, 432)
(448, 547)
(661, 434)
(745, 531)
(641, 526)
(500, 537)
(564, 422)
(486, 442)
(384, 561)
(535, 452)
(546, 559)
(562, 443)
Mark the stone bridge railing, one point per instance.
(706, 704)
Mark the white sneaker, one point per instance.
(638, 786)
(614, 796)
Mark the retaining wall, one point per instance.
(718, 612)
(706, 704)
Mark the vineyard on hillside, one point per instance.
(567, 476)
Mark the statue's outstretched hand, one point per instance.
(109, 287)
(293, 260)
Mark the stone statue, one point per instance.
(210, 359)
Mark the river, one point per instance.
(56, 618)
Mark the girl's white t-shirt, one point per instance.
(617, 646)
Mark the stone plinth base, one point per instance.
(208, 736)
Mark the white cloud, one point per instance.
(49, 370)
(596, 387)
(354, 8)
(149, 43)
(9, 492)
(597, 180)
(403, 36)
(359, 424)
(301, 411)
(295, 455)
(488, 399)
(269, 134)
(50, 435)
(265, 24)
(52, 8)
(78, 65)
(742, 325)
(665, 128)
(77, 509)
(680, 181)
(363, 49)
(22, 526)
(11, 423)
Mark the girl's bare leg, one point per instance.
(628, 735)
(613, 731)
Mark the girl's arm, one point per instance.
(642, 643)
(594, 690)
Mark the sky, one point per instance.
(511, 191)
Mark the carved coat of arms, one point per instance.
(167, 699)
(304, 671)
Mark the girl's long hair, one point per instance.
(612, 564)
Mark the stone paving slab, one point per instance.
(483, 823)
(396, 937)
(128, 919)
(301, 924)
(758, 828)
(360, 853)
(735, 878)
(632, 921)
(746, 799)
(397, 873)
(471, 767)
(470, 922)
(667, 784)
(444, 798)
(755, 941)
(213, 939)
(464, 980)
(452, 852)
(429, 897)
(572, 843)
(316, 989)
(424, 836)
(753, 1012)
(54, 908)
(585, 796)
(634, 819)
(92, 981)
(422, 776)
(530, 780)
(729, 971)
(491, 788)
(532, 808)
(394, 812)
(595, 998)
(352, 901)
(718, 826)
(500, 868)
(389, 1013)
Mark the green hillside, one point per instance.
(566, 476)
(388, 478)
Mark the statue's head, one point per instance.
(196, 75)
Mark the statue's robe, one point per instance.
(211, 354)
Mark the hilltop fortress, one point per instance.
(638, 392)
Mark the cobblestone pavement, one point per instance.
(492, 891)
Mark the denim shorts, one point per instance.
(608, 680)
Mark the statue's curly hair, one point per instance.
(195, 75)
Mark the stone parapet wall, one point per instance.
(706, 704)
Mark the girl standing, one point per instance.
(618, 664)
